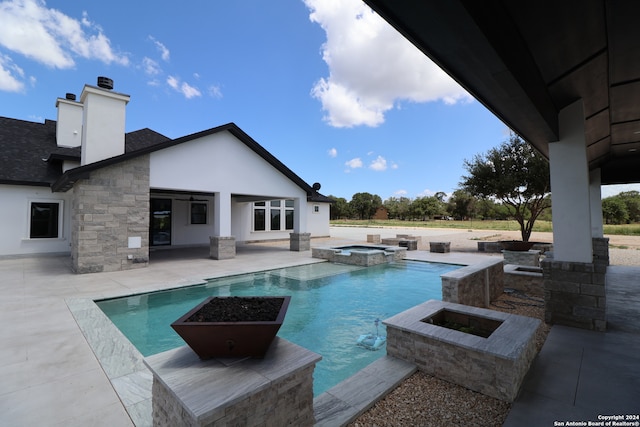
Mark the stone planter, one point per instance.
(464, 322)
(232, 338)
(494, 366)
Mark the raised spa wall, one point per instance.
(475, 285)
(372, 255)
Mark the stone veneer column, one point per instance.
(299, 242)
(575, 293)
(274, 391)
(222, 247)
(109, 208)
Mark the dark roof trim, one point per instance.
(57, 156)
(28, 183)
(66, 181)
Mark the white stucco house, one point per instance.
(81, 185)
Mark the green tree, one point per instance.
(423, 208)
(614, 210)
(398, 208)
(440, 195)
(516, 175)
(461, 204)
(364, 205)
(631, 199)
(339, 209)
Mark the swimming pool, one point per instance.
(331, 306)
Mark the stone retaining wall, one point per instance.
(530, 257)
(476, 285)
(525, 279)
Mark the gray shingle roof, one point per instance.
(29, 154)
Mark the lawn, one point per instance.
(625, 229)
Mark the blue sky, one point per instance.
(326, 86)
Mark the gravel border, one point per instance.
(423, 400)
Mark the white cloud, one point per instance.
(10, 75)
(189, 91)
(151, 67)
(52, 38)
(165, 54)
(614, 190)
(182, 87)
(332, 152)
(214, 91)
(354, 163)
(400, 193)
(379, 164)
(372, 67)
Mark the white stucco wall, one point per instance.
(14, 227)
(103, 124)
(318, 222)
(220, 163)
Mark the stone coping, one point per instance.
(473, 268)
(507, 341)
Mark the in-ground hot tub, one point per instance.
(364, 255)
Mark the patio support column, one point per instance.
(600, 243)
(570, 188)
(574, 285)
(222, 243)
(299, 240)
(595, 197)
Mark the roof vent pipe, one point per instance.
(105, 83)
(70, 96)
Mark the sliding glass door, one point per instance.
(160, 229)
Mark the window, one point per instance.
(280, 215)
(45, 221)
(259, 221)
(198, 213)
(275, 215)
(288, 215)
(316, 208)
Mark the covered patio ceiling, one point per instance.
(527, 60)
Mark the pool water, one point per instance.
(331, 306)
(360, 248)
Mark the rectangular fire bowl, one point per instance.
(238, 338)
(495, 365)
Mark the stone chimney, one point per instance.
(69, 124)
(103, 122)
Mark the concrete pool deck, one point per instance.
(50, 376)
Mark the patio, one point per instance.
(50, 376)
